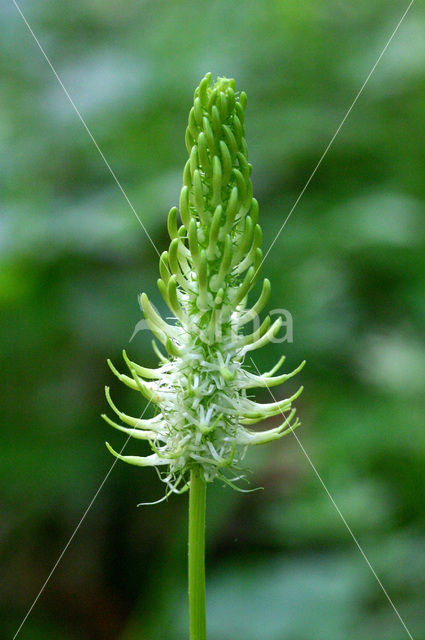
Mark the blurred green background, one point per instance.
(349, 266)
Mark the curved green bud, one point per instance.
(257, 308)
(174, 302)
(264, 339)
(173, 260)
(193, 160)
(209, 135)
(226, 259)
(153, 316)
(253, 253)
(187, 178)
(214, 232)
(257, 334)
(189, 141)
(172, 223)
(231, 209)
(193, 127)
(204, 159)
(237, 127)
(163, 289)
(244, 288)
(215, 120)
(198, 194)
(197, 106)
(172, 348)
(222, 106)
(140, 461)
(231, 141)
(226, 160)
(164, 268)
(184, 206)
(271, 381)
(150, 425)
(254, 210)
(244, 241)
(145, 372)
(193, 242)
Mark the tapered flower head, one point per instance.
(201, 387)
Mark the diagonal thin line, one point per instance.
(268, 251)
(306, 184)
(111, 171)
(113, 174)
(341, 124)
(339, 512)
(77, 527)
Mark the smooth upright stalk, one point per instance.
(196, 565)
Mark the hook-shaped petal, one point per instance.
(139, 461)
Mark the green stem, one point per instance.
(197, 618)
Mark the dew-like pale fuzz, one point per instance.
(201, 387)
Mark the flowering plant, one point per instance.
(201, 387)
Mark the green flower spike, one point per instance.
(201, 387)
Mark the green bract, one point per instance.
(201, 387)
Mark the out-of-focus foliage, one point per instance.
(349, 267)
